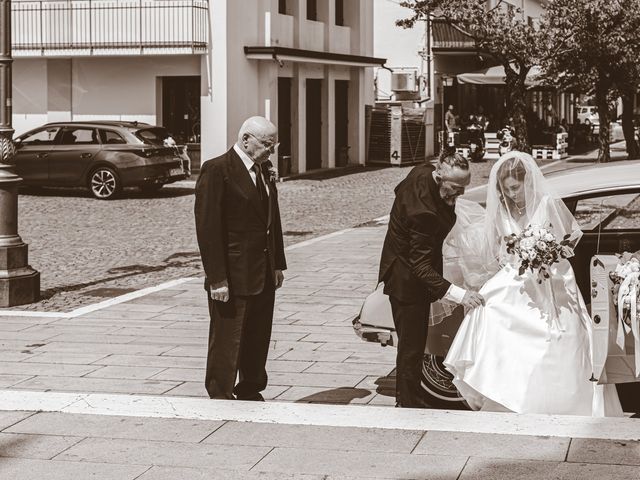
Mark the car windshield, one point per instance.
(153, 136)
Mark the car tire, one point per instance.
(438, 385)
(104, 183)
(151, 187)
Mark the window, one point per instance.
(312, 9)
(111, 137)
(78, 136)
(613, 212)
(44, 136)
(340, 12)
(282, 7)
(153, 136)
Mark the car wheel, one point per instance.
(151, 187)
(438, 385)
(104, 183)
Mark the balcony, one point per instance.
(99, 27)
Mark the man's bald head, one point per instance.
(258, 126)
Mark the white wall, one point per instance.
(29, 94)
(91, 88)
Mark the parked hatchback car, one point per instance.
(605, 199)
(588, 114)
(103, 156)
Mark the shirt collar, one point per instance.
(248, 163)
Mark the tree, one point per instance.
(500, 32)
(596, 46)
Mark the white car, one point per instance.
(588, 114)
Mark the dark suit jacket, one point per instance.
(411, 263)
(238, 240)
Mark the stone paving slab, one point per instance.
(613, 452)
(494, 446)
(164, 453)
(101, 426)
(316, 437)
(367, 464)
(34, 446)
(28, 469)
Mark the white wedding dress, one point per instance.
(528, 350)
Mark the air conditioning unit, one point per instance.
(404, 81)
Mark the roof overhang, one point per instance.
(285, 54)
(448, 40)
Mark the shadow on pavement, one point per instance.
(189, 260)
(128, 193)
(336, 396)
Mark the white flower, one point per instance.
(541, 245)
(527, 243)
(549, 237)
(524, 255)
(532, 254)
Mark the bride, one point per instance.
(528, 349)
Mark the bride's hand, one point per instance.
(472, 300)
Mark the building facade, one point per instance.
(200, 68)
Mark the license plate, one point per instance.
(175, 171)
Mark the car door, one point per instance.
(611, 224)
(32, 155)
(75, 149)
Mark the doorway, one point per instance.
(342, 122)
(181, 108)
(314, 124)
(284, 126)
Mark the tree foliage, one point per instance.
(596, 44)
(501, 32)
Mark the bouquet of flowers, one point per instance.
(538, 249)
(626, 287)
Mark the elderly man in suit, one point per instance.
(422, 215)
(240, 239)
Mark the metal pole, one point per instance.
(19, 283)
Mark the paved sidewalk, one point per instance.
(208, 439)
(156, 344)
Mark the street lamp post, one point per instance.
(19, 283)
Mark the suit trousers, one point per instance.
(411, 321)
(239, 336)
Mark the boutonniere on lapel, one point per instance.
(271, 173)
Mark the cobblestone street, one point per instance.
(87, 250)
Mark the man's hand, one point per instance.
(472, 300)
(278, 278)
(220, 291)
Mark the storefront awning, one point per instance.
(447, 39)
(284, 54)
(496, 76)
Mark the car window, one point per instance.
(154, 136)
(78, 136)
(613, 212)
(43, 136)
(111, 137)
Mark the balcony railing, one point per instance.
(99, 27)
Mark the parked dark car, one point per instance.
(103, 156)
(605, 199)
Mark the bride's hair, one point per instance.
(511, 168)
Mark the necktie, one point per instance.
(262, 191)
